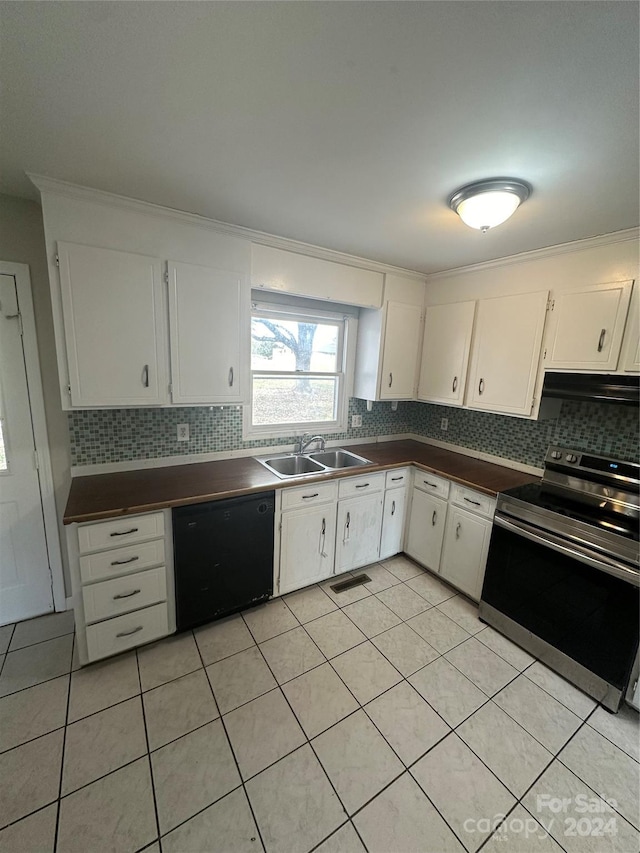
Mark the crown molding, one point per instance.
(53, 185)
(538, 254)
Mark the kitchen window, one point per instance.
(299, 372)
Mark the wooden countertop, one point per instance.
(103, 496)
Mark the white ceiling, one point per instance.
(344, 124)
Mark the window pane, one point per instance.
(294, 345)
(290, 400)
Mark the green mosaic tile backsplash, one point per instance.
(118, 435)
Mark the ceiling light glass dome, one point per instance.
(485, 204)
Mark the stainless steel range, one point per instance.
(563, 571)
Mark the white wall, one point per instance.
(22, 241)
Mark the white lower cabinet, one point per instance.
(307, 548)
(464, 555)
(358, 532)
(426, 529)
(393, 514)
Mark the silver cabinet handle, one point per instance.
(481, 387)
(458, 526)
(129, 633)
(475, 503)
(433, 518)
(124, 562)
(126, 594)
(390, 380)
(125, 532)
(347, 528)
(323, 536)
(433, 485)
(363, 485)
(230, 377)
(395, 479)
(145, 376)
(393, 507)
(601, 339)
(308, 497)
(455, 383)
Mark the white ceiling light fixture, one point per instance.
(485, 204)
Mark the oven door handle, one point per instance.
(548, 540)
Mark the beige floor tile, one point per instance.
(366, 672)
(505, 747)
(294, 803)
(102, 684)
(178, 707)
(431, 588)
(401, 819)
(540, 714)
(225, 827)
(35, 664)
(33, 834)
(507, 650)
(404, 602)
(167, 659)
(380, 578)
(521, 832)
(463, 612)
(42, 628)
(606, 769)
(30, 776)
(191, 773)
(263, 731)
(462, 789)
(223, 638)
(402, 567)
(334, 633)
(574, 699)
(119, 733)
(482, 666)
(438, 630)
(291, 654)
(622, 728)
(347, 596)
(357, 759)
(270, 619)
(407, 651)
(310, 603)
(345, 840)
(6, 632)
(371, 615)
(115, 813)
(409, 724)
(447, 690)
(319, 699)
(240, 678)
(33, 712)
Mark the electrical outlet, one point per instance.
(444, 424)
(183, 432)
(356, 420)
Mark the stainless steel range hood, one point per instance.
(594, 387)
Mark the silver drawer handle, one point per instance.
(124, 562)
(395, 479)
(129, 633)
(125, 594)
(363, 485)
(475, 503)
(308, 497)
(433, 485)
(125, 532)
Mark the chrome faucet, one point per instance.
(304, 441)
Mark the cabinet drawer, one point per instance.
(119, 561)
(398, 477)
(434, 485)
(361, 485)
(314, 493)
(473, 501)
(125, 632)
(121, 595)
(120, 531)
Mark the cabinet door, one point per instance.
(209, 326)
(115, 333)
(307, 546)
(630, 355)
(445, 352)
(586, 327)
(465, 551)
(400, 358)
(426, 529)
(358, 532)
(392, 537)
(506, 353)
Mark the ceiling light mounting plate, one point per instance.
(485, 204)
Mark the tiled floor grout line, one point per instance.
(37, 642)
(62, 757)
(150, 766)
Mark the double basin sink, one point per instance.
(317, 462)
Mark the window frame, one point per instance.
(345, 361)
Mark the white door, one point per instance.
(445, 352)
(506, 352)
(392, 537)
(307, 546)
(426, 529)
(465, 551)
(114, 326)
(358, 532)
(209, 325)
(25, 576)
(400, 359)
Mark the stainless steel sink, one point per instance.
(338, 459)
(292, 466)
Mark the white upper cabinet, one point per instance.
(586, 327)
(209, 334)
(630, 355)
(113, 307)
(445, 352)
(506, 353)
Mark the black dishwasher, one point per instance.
(223, 552)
